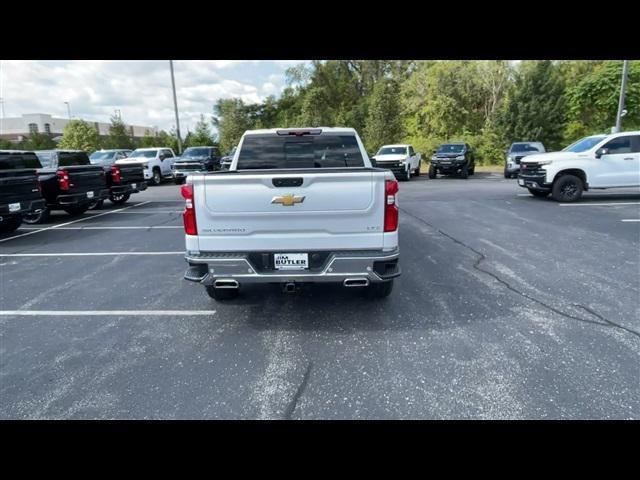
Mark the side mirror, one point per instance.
(601, 151)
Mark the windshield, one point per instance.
(325, 151)
(99, 157)
(451, 148)
(392, 151)
(143, 154)
(195, 152)
(524, 147)
(584, 144)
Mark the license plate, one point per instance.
(89, 194)
(521, 182)
(291, 261)
(134, 185)
(14, 207)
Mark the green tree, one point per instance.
(37, 141)
(148, 140)
(6, 145)
(201, 136)
(80, 135)
(536, 107)
(119, 135)
(384, 123)
(232, 118)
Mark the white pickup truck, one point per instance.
(296, 206)
(599, 161)
(402, 160)
(156, 162)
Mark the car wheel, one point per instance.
(417, 172)
(156, 178)
(97, 205)
(76, 210)
(538, 193)
(179, 181)
(506, 173)
(380, 290)
(33, 218)
(472, 171)
(432, 172)
(464, 173)
(119, 199)
(10, 224)
(221, 293)
(567, 188)
(407, 175)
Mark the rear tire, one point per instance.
(34, 218)
(432, 172)
(119, 199)
(179, 181)
(417, 172)
(464, 173)
(473, 170)
(221, 293)
(97, 205)
(10, 224)
(567, 188)
(538, 193)
(380, 290)
(76, 210)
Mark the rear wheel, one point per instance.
(76, 209)
(417, 172)
(221, 293)
(567, 188)
(119, 199)
(432, 172)
(179, 181)
(538, 193)
(97, 205)
(33, 218)
(465, 172)
(10, 224)
(380, 290)
(472, 170)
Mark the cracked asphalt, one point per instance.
(509, 307)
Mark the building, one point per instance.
(20, 128)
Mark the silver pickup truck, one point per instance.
(297, 206)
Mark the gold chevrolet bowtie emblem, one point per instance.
(288, 200)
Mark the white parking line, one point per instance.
(596, 204)
(148, 211)
(69, 223)
(108, 228)
(97, 313)
(92, 254)
(631, 219)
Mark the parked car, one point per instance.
(156, 162)
(69, 182)
(225, 162)
(195, 160)
(19, 189)
(516, 152)
(402, 160)
(453, 159)
(297, 206)
(122, 180)
(598, 161)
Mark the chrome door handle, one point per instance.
(630, 158)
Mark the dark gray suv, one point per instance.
(516, 152)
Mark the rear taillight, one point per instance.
(63, 179)
(189, 214)
(390, 206)
(115, 174)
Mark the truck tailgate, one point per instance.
(251, 211)
(18, 185)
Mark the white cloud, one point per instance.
(141, 90)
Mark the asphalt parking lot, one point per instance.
(509, 307)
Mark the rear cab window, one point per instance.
(18, 161)
(270, 151)
(72, 159)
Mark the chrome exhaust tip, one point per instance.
(356, 282)
(226, 284)
(289, 287)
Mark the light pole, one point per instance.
(175, 106)
(623, 91)
(68, 110)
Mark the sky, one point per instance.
(141, 90)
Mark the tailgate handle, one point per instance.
(287, 182)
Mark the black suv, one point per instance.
(68, 182)
(453, 159)
(122, 180)
(19, 189)
(195, 160)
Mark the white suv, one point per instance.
(157, 162)
(598, 161)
